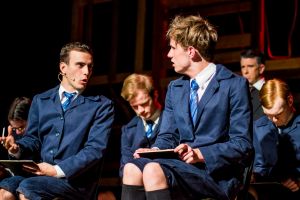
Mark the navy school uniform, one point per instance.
(75, 140)
(222, 133)
(133, 137)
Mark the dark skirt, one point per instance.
(11, 184)
(191, 181)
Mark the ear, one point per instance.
(62, 67)
(290, 100)
(261, 68)
(191, 51)
(194, 54)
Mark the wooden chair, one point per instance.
(244, 194)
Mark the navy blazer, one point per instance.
(223, 128)
(133, 137)
(75, 140)
(277, 155)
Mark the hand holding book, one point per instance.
(157, 153)
(18, 167)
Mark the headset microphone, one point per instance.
(72, 79)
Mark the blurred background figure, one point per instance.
(17, 118)
(142, 130)
(252, 68)
(276, 140)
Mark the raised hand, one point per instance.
(9, 141)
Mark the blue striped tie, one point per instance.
(69, 97)
(194, 100)
(149, 127)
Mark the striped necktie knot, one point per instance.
(69, 97)
(194, 85)
(149, 127)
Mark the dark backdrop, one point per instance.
(32, 33)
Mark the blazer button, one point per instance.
(57, 134)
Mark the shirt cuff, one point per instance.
(59, 172)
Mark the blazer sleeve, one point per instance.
(126, 149)
(168, 136)
(265, 142)
(233, 150)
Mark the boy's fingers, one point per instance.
(9, 130)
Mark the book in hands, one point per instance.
(19, 167)
(164, 153)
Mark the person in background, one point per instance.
(139, 91)
(252, 67)
(70, 131)
(142, 130)
(206, 119)
(252, 64)
(277, 140)
(17, 118)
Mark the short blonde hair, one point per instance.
(194, 31)
(136, 82)
(271, 89)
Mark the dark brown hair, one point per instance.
(19, 108)
(73, 46)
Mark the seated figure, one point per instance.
(276, 139)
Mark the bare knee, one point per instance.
(132, 175)
(22, 197)
(154, 177)
(6, 195)
(107, 195)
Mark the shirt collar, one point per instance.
(258, 85)
(62, 89)
(206, 74)
(154, 117)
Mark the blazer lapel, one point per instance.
(140, 136)
(54, 96)
(222, 73)
(156, 129)
(79, 100)
(141, 130)
(208, 94)
(181, 99)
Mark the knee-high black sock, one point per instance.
(159, 194)
(130, 192)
